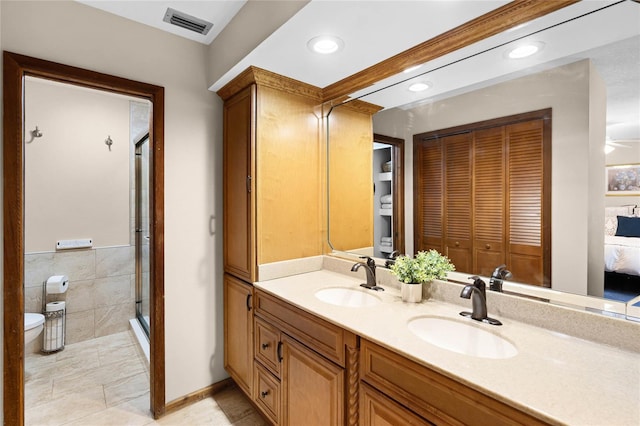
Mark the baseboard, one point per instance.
(196, 396)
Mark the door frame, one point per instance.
(16, 67)
(397, 173)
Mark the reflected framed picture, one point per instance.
(623, 179)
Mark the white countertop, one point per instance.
(555, 377)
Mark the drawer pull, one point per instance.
(249, 302)
(457, 243)
(279, 351)
(487, 246)
(265, 345)
(264, 393)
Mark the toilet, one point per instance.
(33, 325)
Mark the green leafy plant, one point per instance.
(424, 267)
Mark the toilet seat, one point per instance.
(32, 320)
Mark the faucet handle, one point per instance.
(370, 262)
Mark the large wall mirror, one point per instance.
(584, 74)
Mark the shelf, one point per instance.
(384, 176)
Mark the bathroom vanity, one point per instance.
(358, 362)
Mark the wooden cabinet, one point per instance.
(239, 185)
(483, 195)
(376, 409)
(273, 153)
(305, 362)
(431, 396)
(312, 387)
(238, 332)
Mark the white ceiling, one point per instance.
(151, 12)
(373, 30)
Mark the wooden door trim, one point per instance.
(16, 67)
(397, 157)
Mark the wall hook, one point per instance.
(108, 141)
(36, 133)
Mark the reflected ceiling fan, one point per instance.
(610, 144)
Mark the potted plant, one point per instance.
(413, 272)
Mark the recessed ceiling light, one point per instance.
(420, 86)
(525, 50)
(325, 44)
(413, 68)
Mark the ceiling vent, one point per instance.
(188, 22)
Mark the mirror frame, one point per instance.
(494, 22)
(16, 67)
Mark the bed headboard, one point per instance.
(611, 216)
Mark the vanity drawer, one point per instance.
(433, 396)
(323, 337)
(267, 342)
(267, 393)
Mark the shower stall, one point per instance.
(142, 229)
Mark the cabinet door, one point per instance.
(313, 387)
(488, 200)
(378, 410)
(238, 332)
(238, 185)
(457, 196)
(527, 204)
(428, 195)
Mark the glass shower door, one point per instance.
(142, 232)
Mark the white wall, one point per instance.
(78, 35)
(630, 154)
(566, 90)
(75, 186)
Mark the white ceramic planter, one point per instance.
(411, 292)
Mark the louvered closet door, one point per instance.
(525, 202)
(488, 200)
(428, 184)
(457, 196)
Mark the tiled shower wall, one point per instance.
(99, 299)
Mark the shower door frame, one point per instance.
(15, 68)
(139, 234)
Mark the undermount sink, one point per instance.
(348, 297)
(461, 337)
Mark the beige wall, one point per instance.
(250, 27)
(74, 34)
(75, 186)
(566, 91)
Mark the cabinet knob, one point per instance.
(265, 345)
(487, 246)
(457, 243)
(264, 393)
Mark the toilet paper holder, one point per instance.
(55, 323)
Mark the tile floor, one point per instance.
(105, 381)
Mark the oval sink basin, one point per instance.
(348, 297)
(463, 338)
